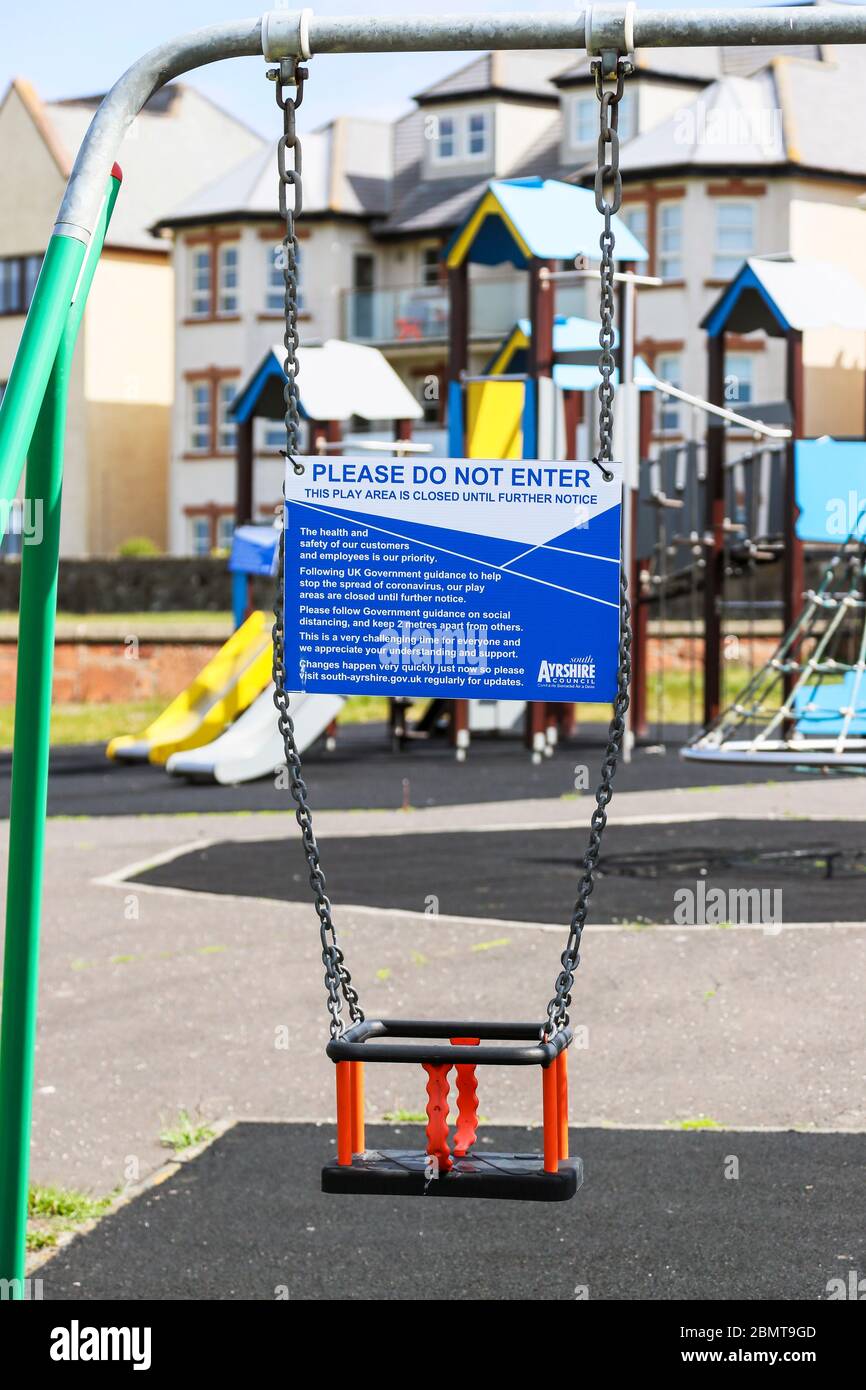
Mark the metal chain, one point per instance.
(338, 981)
(607, 172)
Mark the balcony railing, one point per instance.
(419, 313)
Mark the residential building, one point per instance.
(226, 241)
(725, 153)
(122, 385)
(759, 165)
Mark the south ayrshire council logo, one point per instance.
(578, 673)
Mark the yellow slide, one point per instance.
(229, 683)
(494, 419)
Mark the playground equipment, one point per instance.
(227, 686)
(252, 747)
(528, 402)
(341, 382)
(32, 421)
(807, 703)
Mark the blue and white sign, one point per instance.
(459, 578)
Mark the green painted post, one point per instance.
(34, 360)
(37, 610)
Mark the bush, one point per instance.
(137, 546)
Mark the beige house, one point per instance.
(122, 385)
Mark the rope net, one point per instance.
(807, 703)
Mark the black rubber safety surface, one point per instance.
(818, 867)
(362, 772)
(661, 1215)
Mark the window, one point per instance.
(670, 255)
(275, 291)
(18, 276)
(199, 535)
(299, 272)
(668, 368)
(225, 529)
(430, 264)
(446, 144)
(200, 417)
(477, 135)
(735, 237)
(200, 282)
(627, 125)
(227, 430)
(273, 434)
(465, 136)
(739, 379)
(32, 267)
(228, 279)
(636, 218)
(584, 128)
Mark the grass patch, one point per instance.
(404, 1117)
(185, 1133)
(699, 1122)
(88, 723)
(51, 1210)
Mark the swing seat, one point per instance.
(451, 1165)
(406, 1173)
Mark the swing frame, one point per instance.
(32, 413)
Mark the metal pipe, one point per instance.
(768, 431)
(415, 33)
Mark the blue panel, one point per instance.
(455, 420)
(494, 244)
(254, 550)
(819, 708)
(239, 597)
(530, 420)
(244, 405)
(830, 488)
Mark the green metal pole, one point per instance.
(34, 360)
(37, 609)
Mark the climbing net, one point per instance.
(807, 703)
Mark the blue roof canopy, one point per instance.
(779, 293)
(553, 221)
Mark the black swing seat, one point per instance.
(406, 1173)
(466, 1170)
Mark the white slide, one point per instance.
(253, 747)
(495, 716)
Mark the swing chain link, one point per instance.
(606, 172)
(338, 981)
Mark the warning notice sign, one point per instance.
(459, 578)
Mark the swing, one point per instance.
(452, 1165)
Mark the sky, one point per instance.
(73, 50)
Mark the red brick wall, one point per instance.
(109, 672)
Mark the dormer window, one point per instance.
(584, 119)
(476, 126)
(465, 135)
